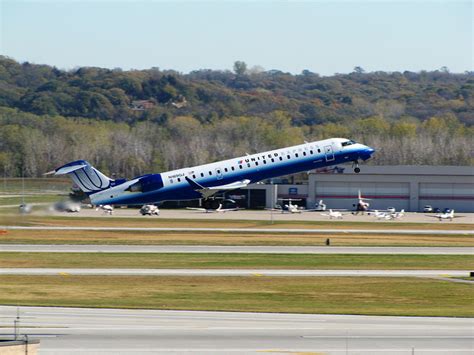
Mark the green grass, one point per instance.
(45, 198)
(17, 185)
(233, 238)
(237, 261)
(338, 295)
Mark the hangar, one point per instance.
(407, 187)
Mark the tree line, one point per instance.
(133, 122)
(31, 145)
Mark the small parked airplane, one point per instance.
(388, 215)
(361, 206)
(107, 209)
(333, 214)
(219, 209)
(287, 207)
(450, 215)
(204, 181)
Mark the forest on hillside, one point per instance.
(138, 121)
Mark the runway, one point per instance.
(205, 249)
(249, 230)
(234, 272)
(114, 331)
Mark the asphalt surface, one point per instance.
(234, 272)
(249, 230)
(265, 215)
(113, 331)
(234, 249)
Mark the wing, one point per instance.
(211, 190)
(196, 209)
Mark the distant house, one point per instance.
(142, 105)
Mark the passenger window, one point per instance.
(225, 169)
(210, 173)
(319, 150)
(288, 156)
(281, 158)
(264, 162)
(202, 174)
(179, 179)
(194, 176)
(240, 166)
(304, 153)
(311, 152)
(273, 160)
(296, 155)
(232, 168)
(248, 165)
(256, 163)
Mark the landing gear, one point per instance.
(210, 203)
(356, 169)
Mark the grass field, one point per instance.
(231, 261)
(245, 238)
(17, 185)
(44, 198)
(338, 295)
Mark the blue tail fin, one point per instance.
(85, 176)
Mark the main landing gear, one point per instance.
(356, 169)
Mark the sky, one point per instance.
(325, 37)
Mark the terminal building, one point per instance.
(402, 187)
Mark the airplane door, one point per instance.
(219, 174)
(328, 152)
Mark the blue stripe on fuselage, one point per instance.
(183, 191)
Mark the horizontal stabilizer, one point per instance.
(69, 169)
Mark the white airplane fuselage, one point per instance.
(181, 184)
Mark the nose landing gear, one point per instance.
(356, 169)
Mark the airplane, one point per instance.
(361, 206)
(288, 208)
(388, 216)
(216, 210)
(321, 206)
(449, 215)
(107, 209)
(333, 214)
(204, 181)
(398, 215)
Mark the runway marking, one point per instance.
(388, 336)
(290, 352)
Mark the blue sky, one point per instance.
(322, 36)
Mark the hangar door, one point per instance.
(459, 197)
(382, 194)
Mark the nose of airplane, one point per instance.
(367, 153)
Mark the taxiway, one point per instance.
(113, 331)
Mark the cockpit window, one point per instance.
(346, 143)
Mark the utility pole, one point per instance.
(16, 324)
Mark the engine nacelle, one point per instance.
(147, 183)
